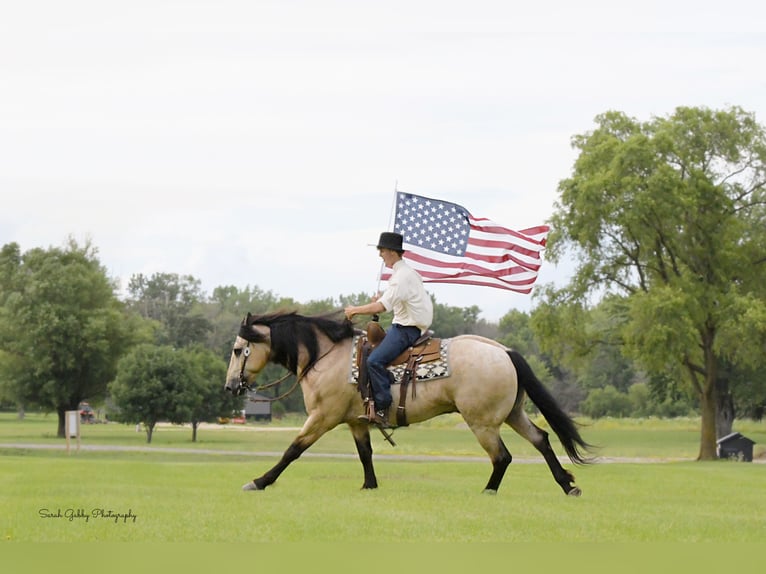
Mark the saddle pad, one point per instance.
(425, 372)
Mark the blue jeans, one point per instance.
(397, 339)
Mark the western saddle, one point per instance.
(424, 350)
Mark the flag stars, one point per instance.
(431, 224)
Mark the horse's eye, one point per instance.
(237, 352)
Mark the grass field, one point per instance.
(446, 435)
(193, 494)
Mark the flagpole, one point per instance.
(393, 205)
(390, 224)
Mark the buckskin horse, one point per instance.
(487, 384)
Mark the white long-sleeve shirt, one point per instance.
(407, 298)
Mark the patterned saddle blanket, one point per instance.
(437, 369)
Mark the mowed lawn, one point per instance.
(194, 495)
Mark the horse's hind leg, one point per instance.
(519, 421)
(489, 439)
(361, 435)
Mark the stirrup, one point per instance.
(370, 417)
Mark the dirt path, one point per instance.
(309, 454)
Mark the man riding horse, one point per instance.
(413, 314)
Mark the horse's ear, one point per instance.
(257, 335)
(246, 320)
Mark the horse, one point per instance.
(487, 384)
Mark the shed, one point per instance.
(735, 446)
(257, 407)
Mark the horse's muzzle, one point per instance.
(236, 387)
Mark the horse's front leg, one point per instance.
(312, 429)
(361, 433)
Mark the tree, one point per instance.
(668, 216)
(451, 321)
(175, 303)
(153, 384)
(209, 374)
(515, 331)
(749, 390)
(228, 305)
(62, 328)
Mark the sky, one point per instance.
(260, 143)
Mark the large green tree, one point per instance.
(669, 215)
(156, 383)
(62, 328)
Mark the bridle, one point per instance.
(243, 384)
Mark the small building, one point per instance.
(735, 446)
(257, 407)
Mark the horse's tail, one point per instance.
(561, 423)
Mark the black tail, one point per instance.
(561, 423)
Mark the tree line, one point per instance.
(157, 354)
(664, 316)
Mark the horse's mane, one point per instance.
(289, 331)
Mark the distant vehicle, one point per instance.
(87, 414)
(238, 419)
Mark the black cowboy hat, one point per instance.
(392, 241)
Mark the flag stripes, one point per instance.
(446, 244)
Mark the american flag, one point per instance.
(446, 244)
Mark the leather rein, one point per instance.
(243, 384)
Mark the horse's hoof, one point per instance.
(250, 486)
(489, 491)
(574, 492)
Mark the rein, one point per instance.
(268, 386)
(245, 385)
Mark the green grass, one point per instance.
(194, 496)
(446, 435)
(319, 500)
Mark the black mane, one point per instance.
(289, 331)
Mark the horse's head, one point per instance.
(285, 338)
(251, 353)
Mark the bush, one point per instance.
(670, 408)
(637, 402)
(606, 402)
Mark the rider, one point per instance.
(413, 313)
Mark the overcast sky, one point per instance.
(260, 142)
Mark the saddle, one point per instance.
(425, 349)
(426, 346)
